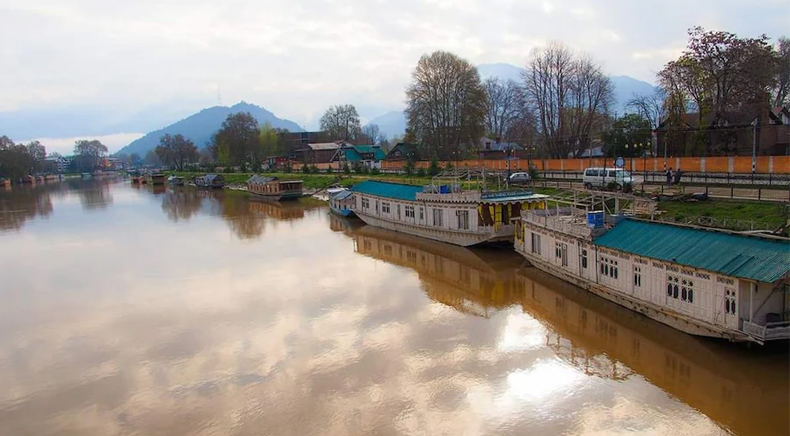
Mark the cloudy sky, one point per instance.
(88, 67)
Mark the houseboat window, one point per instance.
(535, 243)
(638, 276)
(729, 304)
(614, 272)
(422, 214)
(365, 203)
(463, 219)
(557, 250)
(669, 289)
(675, 291)
(397, 207)
(602, 269)
(584, 259)
(437, 217)
(385, 207)
(683, 294)
(691, 295)
(409, 211)
(606, 269)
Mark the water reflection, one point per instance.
(319, 326)
(746, 390)
(93, 195)
(24, 203)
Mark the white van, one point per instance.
(601, 178)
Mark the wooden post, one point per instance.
(751, 300)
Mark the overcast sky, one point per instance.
(143, 64)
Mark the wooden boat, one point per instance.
(210, 181)
(155, 179)
(274, 189)
(341, 202)
(175, 181)
(444, 211)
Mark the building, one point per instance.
(369, 156)
(493, 149)
(321, 152)
(732, 135)
(700, 281)
(58, 163)
(294, 140)
(404, 152)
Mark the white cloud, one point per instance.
(298, 57)
(65, 146)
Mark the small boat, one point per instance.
(274, 189)
(175, 181)
(156, 179)
(341, 202)
(211, 181)
(334, 189)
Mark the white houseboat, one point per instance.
(442, 212)
(700, 281)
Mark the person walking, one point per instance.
(669, 177)
(678, 175)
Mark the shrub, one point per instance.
(346, 169)
(421, 172)
(409, 167)
(329, 169)
(433, 169)
(305, 169)
(375, 171)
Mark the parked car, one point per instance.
(602, 178)
(519, 179)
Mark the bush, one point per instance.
(329, 169)
(346, 169)
(314, 169)
(375, 171)
(421, 172)
(533, 173)
(305, 169)
(409, 167)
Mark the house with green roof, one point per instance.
(369, 156)
(702, 281)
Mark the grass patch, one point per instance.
(764, 215)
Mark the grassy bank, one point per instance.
(734, 215)
(316, 181)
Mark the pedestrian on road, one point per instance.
(678, 175)
(669, 177)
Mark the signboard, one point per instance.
(619, 162)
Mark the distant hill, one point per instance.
(200, 126)
(624, 86)
(391, 124)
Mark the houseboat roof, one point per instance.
(342, 195)
(742, 256)
(260, 179)
(397, 191)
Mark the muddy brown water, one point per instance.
(133, 311)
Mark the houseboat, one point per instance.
(342, 202)
(274, 189)
(156, 179)
(701, 281)
(211, 181)
(175, 181)
(443, 212)
(5, 183)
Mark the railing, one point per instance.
(567, 224)
(659, 177)
(768, 332)
(454, 197)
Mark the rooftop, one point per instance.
(388, 190)
(742, 256)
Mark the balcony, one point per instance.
(563, 220)
(771, 331)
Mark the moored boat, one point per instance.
(210, 181)
(341, 202)
(156, 179)
(274, 189)
(701, 281)
(444, 212)
(175, 181)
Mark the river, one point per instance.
(138, 311)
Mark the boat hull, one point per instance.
(341, 211)
(462, 238)
(663, 315)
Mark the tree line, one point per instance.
(21, 160)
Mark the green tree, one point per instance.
(269, 141)
(15, 159)
(152, 159)
(629, 136)
(236, 142)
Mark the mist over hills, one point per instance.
(200, 126)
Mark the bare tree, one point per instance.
(782, 88)
(372, 134)
(341, 122)
(570, 96)
(649, 106)
(446, 105)
(504, 104)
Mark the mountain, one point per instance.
(200, 126)
(391, 124)
(624, 86)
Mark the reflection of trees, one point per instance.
(94, 195)
(244, 223)
(23, 203)
(181, 204)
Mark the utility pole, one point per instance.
(755, 125)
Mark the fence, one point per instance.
(715, 165)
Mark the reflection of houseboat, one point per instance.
(745, 392)
(342, 224)
(278, 211)
(175, 181)
(5, 183)
(444, 212)
(342, 202)
(211, 181)
(702, 282)
(274, 189)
